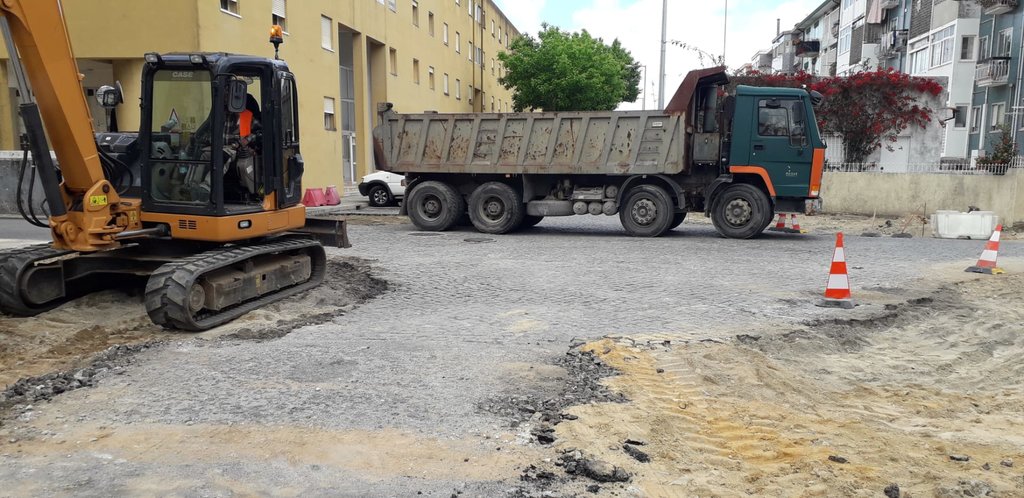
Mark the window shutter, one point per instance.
(277, 8)
(328, 105)
(325, 33)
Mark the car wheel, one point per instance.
(647, 212)
(434, 206)
(741, 211)
(379, 196)
(496, 208)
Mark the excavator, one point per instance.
(204, 201)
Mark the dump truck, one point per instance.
(737, 154)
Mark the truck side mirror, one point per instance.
(237, 90)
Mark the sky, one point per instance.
(637, 24)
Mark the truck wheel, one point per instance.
(530, 221)
(496, 208)
(434, 206)
(647, 211)
(677, 219)
(741, 211)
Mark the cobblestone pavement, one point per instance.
(469, 316)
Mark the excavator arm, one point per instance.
(86, 212)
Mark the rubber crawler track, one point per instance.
(13, 263)
(167, 288)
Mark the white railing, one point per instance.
(991, 72)
(979, 167)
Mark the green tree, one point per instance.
(561, 71)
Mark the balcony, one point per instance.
(808, 49)
(890, 4)
(996, 7)
(994, 71)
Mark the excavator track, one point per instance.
(13, 264)
(171, 292)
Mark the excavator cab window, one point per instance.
(182, 158)
(180, 136)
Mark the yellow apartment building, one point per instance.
(347, 55)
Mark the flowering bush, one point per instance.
(866, 108)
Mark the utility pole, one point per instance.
(644, 92)
(664, 30)
(725, 30)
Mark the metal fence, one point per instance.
(835, 161)
(947, 168)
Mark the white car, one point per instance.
(383, 188)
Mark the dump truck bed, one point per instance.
(608, 142)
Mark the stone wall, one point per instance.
(898, 194)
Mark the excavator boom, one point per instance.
(86, 211)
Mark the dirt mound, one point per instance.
(51, 348)
(922, 399)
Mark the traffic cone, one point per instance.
(987, 262)
(331, 197)
(837, 290)
(796, 225)
(314, 197)
(780, 226)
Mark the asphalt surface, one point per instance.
(467, 315)
(17, 228)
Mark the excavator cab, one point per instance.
(219, 138)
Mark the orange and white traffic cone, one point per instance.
(796, 225)
(780, 226)
(837, 290)
(987, 262)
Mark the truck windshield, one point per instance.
(181, 135)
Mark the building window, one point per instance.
(469, 50)
(960, 120)
(975, 119)
(326, 33)
(984, 48)
(918, 56)
(458, 89)
(844, 40)
(457, 2)
(492, 28)
(506, 39)
(469, 8)
(492, 103)
(942, 46)
(393, 55)
(444, 33)
(277, 14)
(499, 34)
(229, 6)
(329, 114)
(416, 71)
(393, 5)
(430, 23)
(1004, 42)
(430, 76)
(998, 116)
(967, 48)
(492, 66)
(415, 13)
(458, 43)
(445, 81)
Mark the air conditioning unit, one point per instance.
(901, 38)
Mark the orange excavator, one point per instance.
(203, 201)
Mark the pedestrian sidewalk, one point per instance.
(352, 205)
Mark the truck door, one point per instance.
(779, 144)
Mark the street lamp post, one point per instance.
(664, 30)
(644, 91)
